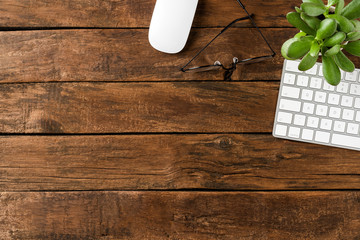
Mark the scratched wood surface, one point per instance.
(102, 137)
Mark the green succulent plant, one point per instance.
(325, 30)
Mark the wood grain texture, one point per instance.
(131, 13)
(180, 215)
(126, 55)
(137, 107)
(233, 162)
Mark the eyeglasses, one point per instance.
(217, 64)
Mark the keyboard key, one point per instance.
(307, 134)
(339, 126)
(325, 124)
(321, 110)
(316, 82)
(320, 97)
(352, 128)
(320, 71)
(312, 71)
(342, 74)
(355, 89)
(348, 114)
(302, 80)
(344, 140)
(280, 130)
(290, 92)
(334, 112)
(307, 94)
(323, 137)
(290, 105)
(284, 117)
(312, 122)
(289, 78)
(308, 108)
(328, 87)
(357, 103)
(299, 120)
(292, 66)
(294, 132)
(347, 101)
(333, 99)
(357, 116)
(342, 87)
(351, 76)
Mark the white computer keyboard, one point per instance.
(311, 110)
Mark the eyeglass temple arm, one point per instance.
(253, 22)
(224, 29)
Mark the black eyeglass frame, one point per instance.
(217, 65)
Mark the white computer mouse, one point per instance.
(171, 23)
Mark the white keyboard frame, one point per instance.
(318, 74)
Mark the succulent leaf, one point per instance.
(333, 51)
(352, 10)
(331, 71)
(337, 38)
(344, 62)
(353, 48)
(295, 20)
(313, 9)
(307, 62)
(327, 28)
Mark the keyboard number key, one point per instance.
(357, 116)
(328, 87)
(289, 78)
(302, 80)
(355, 89)
(357, 103)
(342, 87)
(351, 76)
(312, 70)
(316, 82)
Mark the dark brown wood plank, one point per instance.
(126, 55)
(180, 215)
(130, 13)
(234, 162)
(137, 107)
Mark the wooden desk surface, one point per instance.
(102, 137)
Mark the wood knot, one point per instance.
(224, 142)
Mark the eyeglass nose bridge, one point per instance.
(229, 71)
